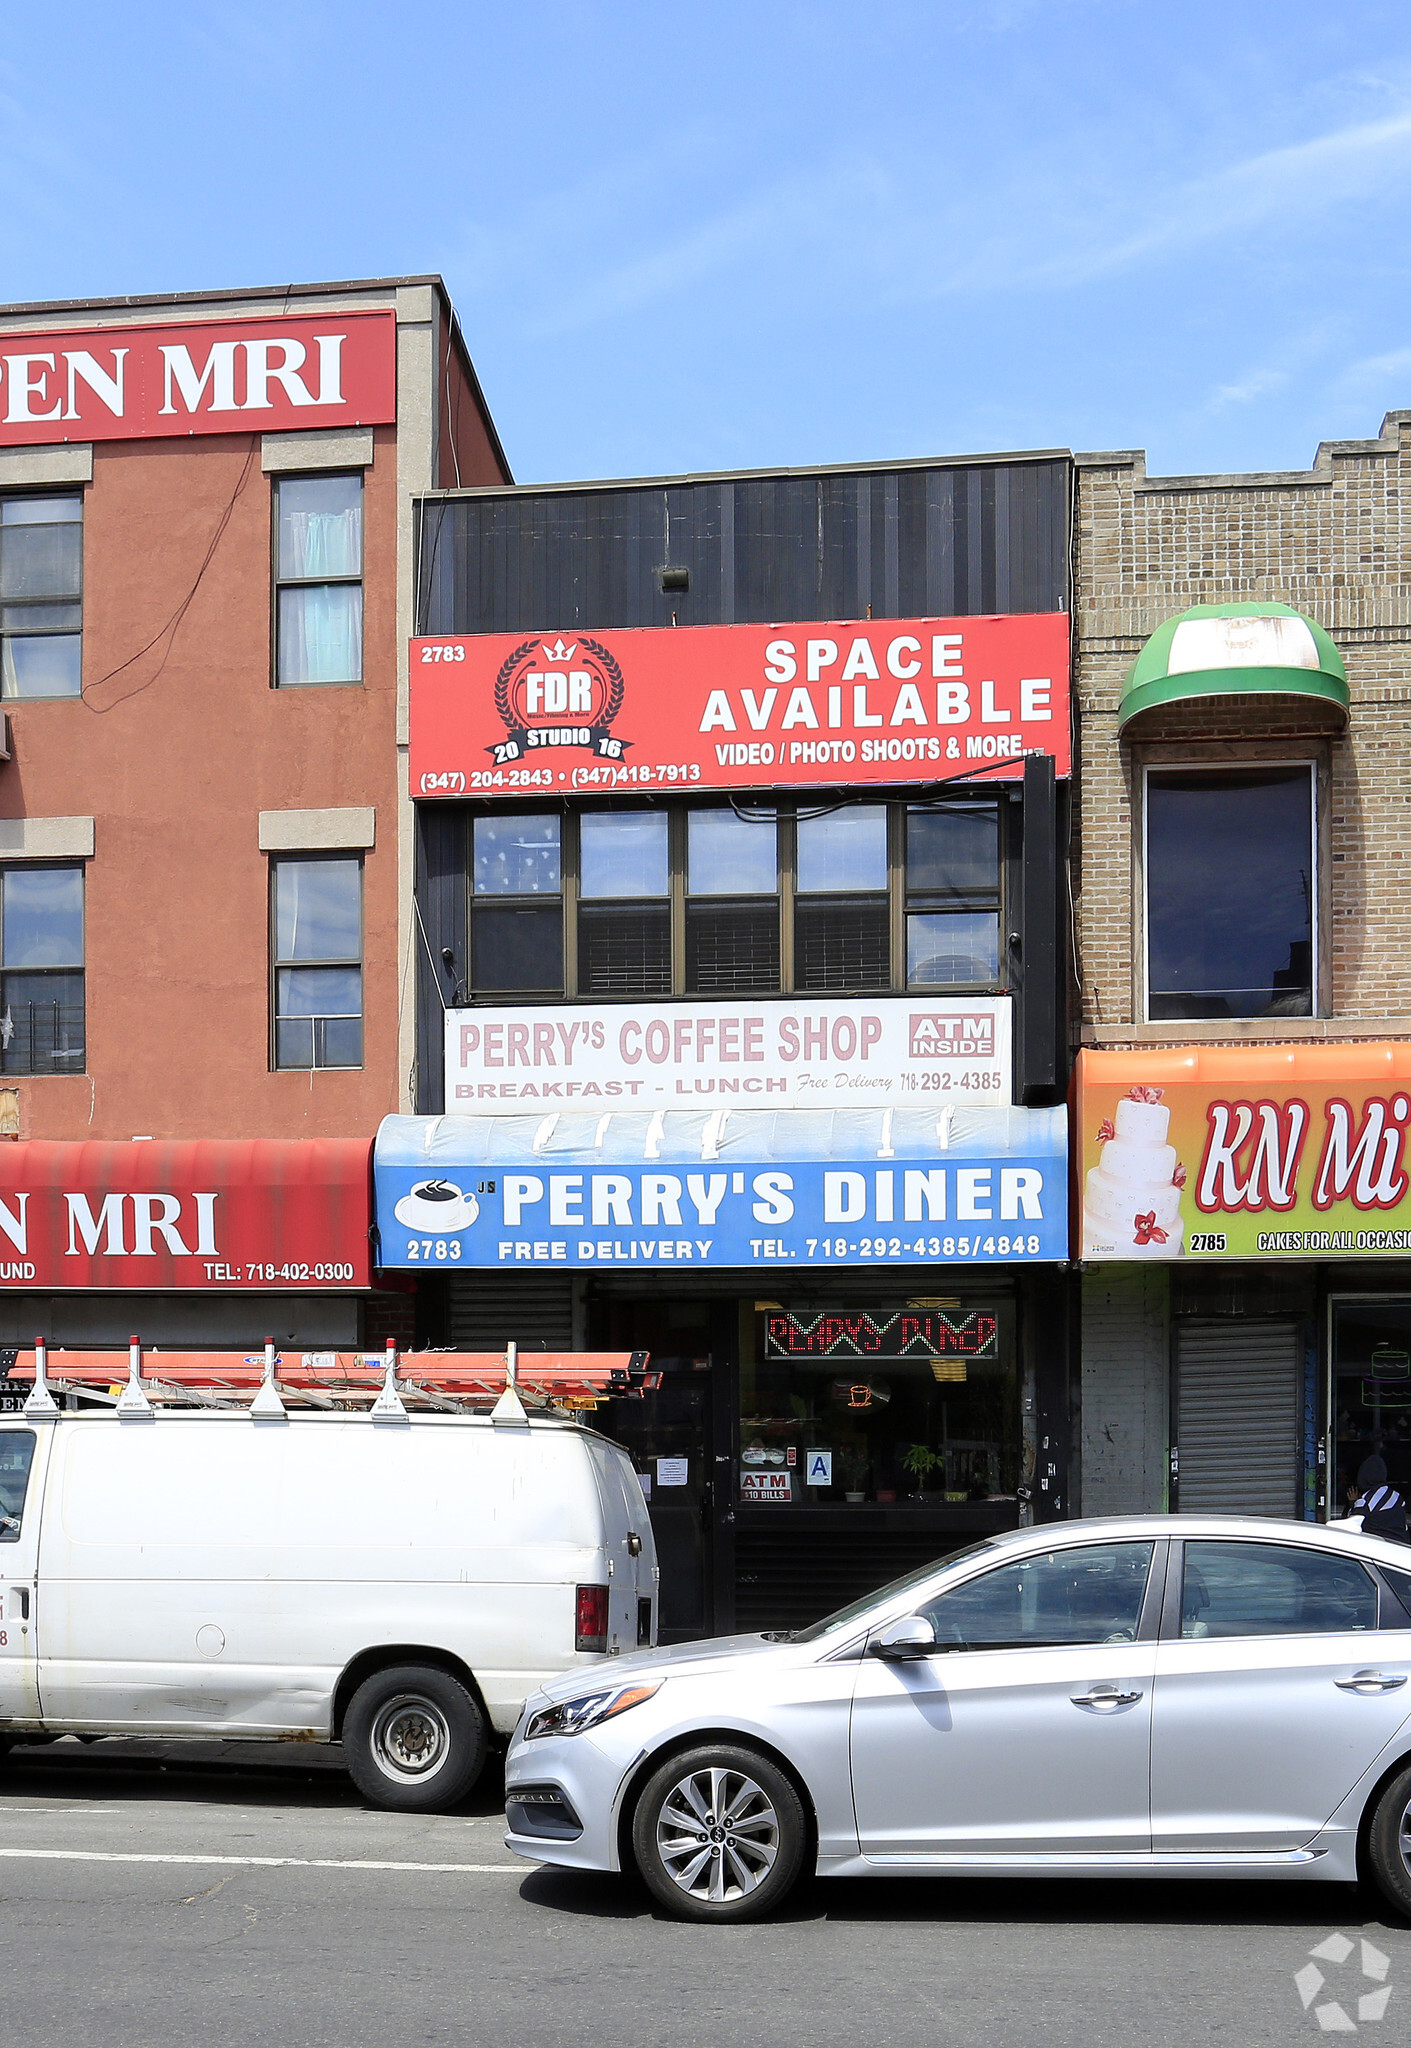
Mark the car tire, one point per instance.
(1389, 1842)
(720, 1834)
(414, 1738)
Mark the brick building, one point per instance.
(1243, 898)
(206, 590)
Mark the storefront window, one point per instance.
(891, 1403)
(1371, 1394)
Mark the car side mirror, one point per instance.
(902, 1642)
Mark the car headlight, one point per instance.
(589, 1710)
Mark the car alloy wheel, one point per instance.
(720, 1833)
(1389, 1842)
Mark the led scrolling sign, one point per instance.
(918, 1333)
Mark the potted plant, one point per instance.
(852, 1469)
(921, 1461)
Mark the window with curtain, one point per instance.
(41, 588)
(318, 580)
(318, 962)
(41, 971)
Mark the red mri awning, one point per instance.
(209, 1215)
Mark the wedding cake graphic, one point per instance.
(1132, 1202)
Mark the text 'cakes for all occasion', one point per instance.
(1132, 1201)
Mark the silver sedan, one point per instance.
(1157, 1696)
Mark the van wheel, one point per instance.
(719, 1834)
(414, 1739)
(1389, 1843)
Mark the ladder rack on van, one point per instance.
(391, 1383)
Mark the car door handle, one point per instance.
(1371, 1681)
(1105, 1696)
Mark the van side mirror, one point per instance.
(902, 1642)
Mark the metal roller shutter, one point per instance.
(1239, 1417)
(488, 1310)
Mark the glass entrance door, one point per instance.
(670, 1437)
(1370, 1394)
(667, 1436)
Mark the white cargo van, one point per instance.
(312, 1579)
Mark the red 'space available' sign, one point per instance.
(124, 383)
(216, 1215)
(738, 707)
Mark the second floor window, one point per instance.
(1230, 892)
(41, 971)
(318, 963)
(41, 593)
(707, 900)
(318, 580)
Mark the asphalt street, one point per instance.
(163, 1896)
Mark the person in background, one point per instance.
(1379, 1503)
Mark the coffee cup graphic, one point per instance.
(438, 1207)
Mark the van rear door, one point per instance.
(630, 1550)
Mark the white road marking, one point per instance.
(257, 1862)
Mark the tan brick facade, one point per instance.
(1334, 542)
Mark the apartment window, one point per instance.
(41, 971)
(318, 963)
(732, 902)
(952, 895)
(624, 892)
(516, 919)
(842, 921)
(1230, 892)
(41, 588)
(709, 900)
(318, 580)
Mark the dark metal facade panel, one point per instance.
(442, 912)
(887, 543)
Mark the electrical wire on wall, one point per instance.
(168, 631)
(769, 814)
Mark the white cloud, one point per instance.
(1374, 374)
(800, 209)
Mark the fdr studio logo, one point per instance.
(557, 693)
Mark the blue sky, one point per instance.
(723, 234)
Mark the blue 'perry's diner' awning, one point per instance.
(810, 1188)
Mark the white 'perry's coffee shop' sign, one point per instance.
(803, 1052)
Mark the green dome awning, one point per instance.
(1255, 649)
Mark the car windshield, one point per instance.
(858, 1609)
